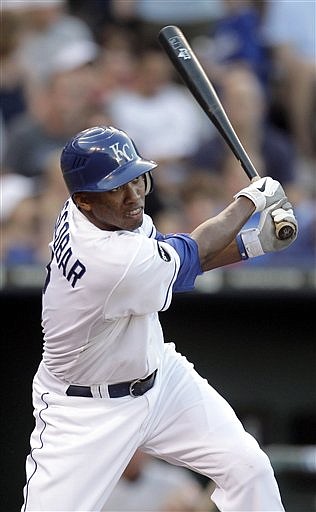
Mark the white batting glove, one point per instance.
(263, 193)
(262, 240)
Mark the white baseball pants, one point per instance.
(80, 446)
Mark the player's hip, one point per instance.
(46, 382)
(172, 372)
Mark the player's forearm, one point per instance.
(227, 256)
(215, 237)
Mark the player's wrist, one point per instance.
(250, 242)
(262, 193)
(241, 247)
(256, 198)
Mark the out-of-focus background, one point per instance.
(249, 328)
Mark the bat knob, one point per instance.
(284, 230)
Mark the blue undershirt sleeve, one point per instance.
(190, 266)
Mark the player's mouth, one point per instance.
(135, 213)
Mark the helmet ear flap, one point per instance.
(149, 183)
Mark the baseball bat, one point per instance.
(193, 75)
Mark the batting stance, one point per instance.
(108, 383)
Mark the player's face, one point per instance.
(120, 208)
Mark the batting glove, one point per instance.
(263, 193)
(261, 240)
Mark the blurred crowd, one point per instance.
(70, 64)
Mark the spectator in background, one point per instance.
(270, 150)
(12, 86)
(236, 38)
(53, 195)
(97, 14)
(14, 188)
(201, 199)
(58, 104)
(289, 30)
(19, 222)
(45, 28)
(33, 34)
(28, 214)
(47, 53)
(152, 485)
(117, 61)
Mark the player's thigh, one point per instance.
(184, 395)
(193, 425)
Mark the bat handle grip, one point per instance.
(283, 230)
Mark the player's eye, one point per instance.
(116, 189)
(138, 179)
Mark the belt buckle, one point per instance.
(131, 386)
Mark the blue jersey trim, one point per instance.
(190, 266)
(167, 295)
(36, 448)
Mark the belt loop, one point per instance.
(100, 391)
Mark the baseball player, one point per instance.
(108, 383)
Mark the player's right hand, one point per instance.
(262, 240)
(263, 193)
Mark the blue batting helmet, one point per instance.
(102, 158)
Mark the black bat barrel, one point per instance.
(189, 68)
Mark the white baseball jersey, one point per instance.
(101, 291)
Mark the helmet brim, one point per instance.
(123, 175)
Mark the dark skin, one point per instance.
(123, 208)
(120, 208)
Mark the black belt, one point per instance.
(135, 388)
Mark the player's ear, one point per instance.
(81, 200)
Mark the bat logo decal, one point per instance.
(184, 54)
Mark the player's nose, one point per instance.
(132, 191)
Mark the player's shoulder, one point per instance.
(130, 242)
(118, 250)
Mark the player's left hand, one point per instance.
(263, 239)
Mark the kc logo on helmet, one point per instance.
(123, 153)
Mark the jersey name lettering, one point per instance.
(123, 153)
(71, 267)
